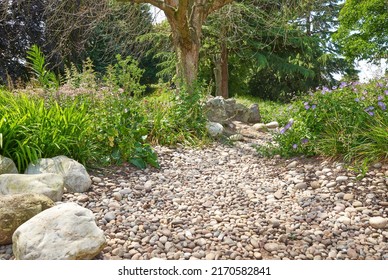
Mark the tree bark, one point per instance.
(186, 18)
(221, 72)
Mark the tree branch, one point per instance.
(169, 10)
(217, 4)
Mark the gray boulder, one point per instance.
(75, 176)
(254, 114)
(7, 166)
(214, 129)
(215, 110)
(48, 184)
(69, 233)
(17, 209)
(241, 113)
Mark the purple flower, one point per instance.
(380, 98)
(294, 146)
(343, 84)
(379, 84)
(313, 106)
(382, 105)
(370, 108)
(306, 105)
(334, 87)
(357, 100)
(386, 92)
(325, 89)
(283, 130)
(371, 113)
(304, 140)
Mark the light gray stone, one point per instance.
(236, 137)
(315, 185)
(214, 129)
(47, 184)
(348, 196)
(75, 176)
(254, 114)
(341, 179)
(215, 110)
(378, 222)
(18, 208)
(64, 232)
(270, 247)
(292, 165)
(242, 113)
(260, 127)
(301, 186)
(272, 125)
(110, 216)
(7, 166)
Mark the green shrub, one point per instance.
(31, 129)
(177, 117)
(348, 122)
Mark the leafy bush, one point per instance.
(31, 129)
(350, 122)
(125, 74)
(177, 117)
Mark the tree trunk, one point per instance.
(221, 72)
(187, 67)
(186, 18)
(224, 71)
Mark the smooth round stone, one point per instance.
(348, 196)
(315, 185)
(378, 222)
(255, 243)
(96, 179)
(341, 179)
(344, 220)
(210, 256)
(270, 247)
(301, 186)
(110, 216)
(163, 239)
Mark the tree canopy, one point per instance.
(363, 32)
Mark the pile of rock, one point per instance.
(27, 203)
(226, 117)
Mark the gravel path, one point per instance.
(225, 202)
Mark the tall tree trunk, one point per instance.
(186, 18)
(188, 57)
(221, 72)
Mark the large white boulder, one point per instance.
(7, 166)
(18, 208)
(48, 184)
(75, 176)
(64, 232)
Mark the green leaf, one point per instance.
(138, 162)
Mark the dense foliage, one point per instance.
(97, 123)
(363, 32)
(348, 122)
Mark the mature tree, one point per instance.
(363, 32)
(186, 18)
